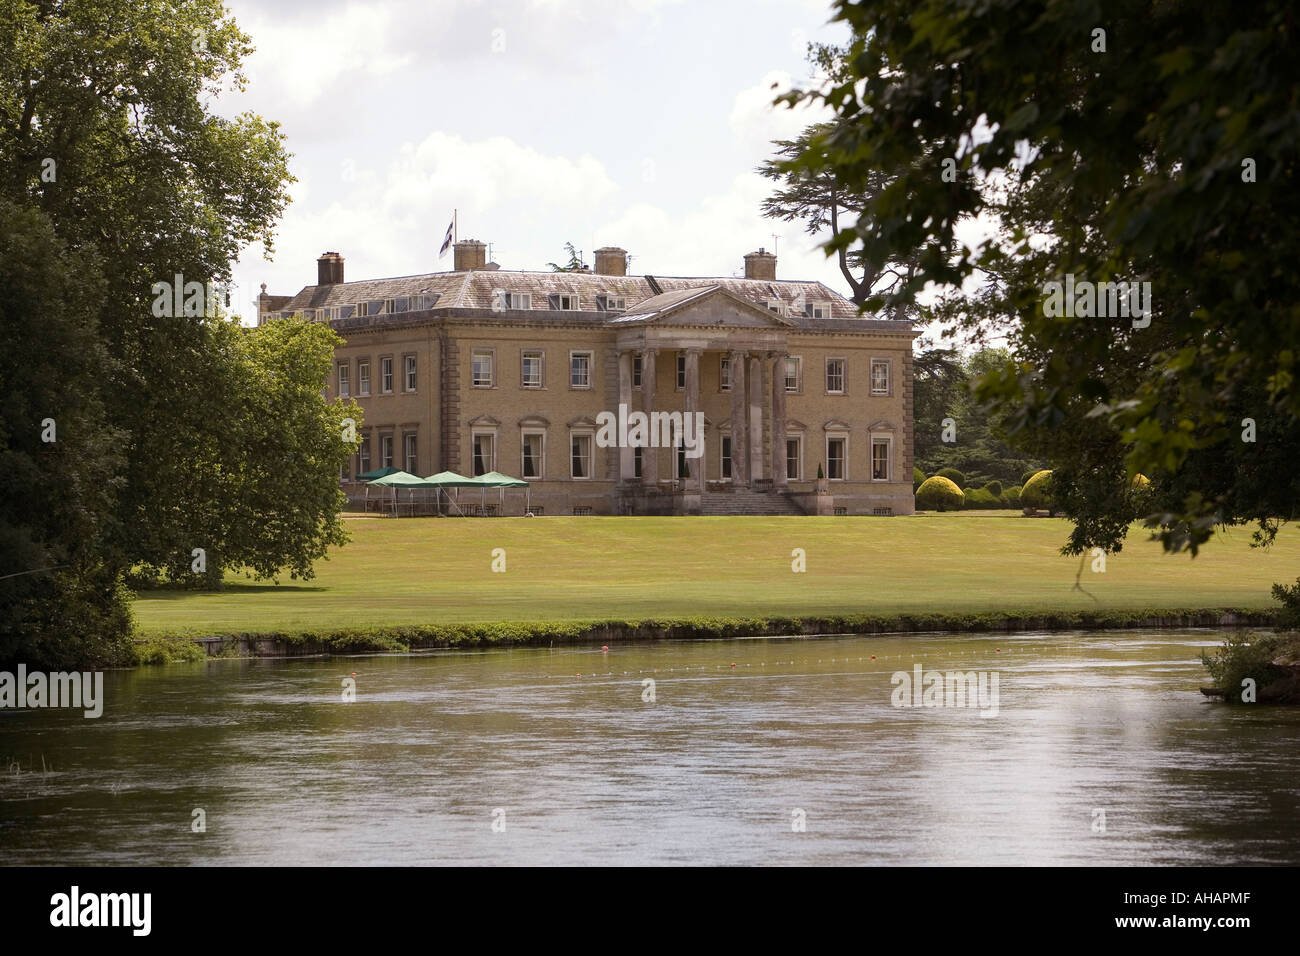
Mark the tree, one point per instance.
(105, 133)
(61, 457)
(575, 263)
(1154, 143)
(813, 193)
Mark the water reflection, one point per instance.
(586, 771)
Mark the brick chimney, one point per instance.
(760, 265)
(329, 269)
(611, 261)
(470, 255)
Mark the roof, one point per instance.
(641, 294)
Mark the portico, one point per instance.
(691, 327)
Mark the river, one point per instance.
(761, 751)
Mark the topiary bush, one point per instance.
(938, 493)
(1011, 497)
(953, 475)
(918, 477)
(994, 488)
(981, 499)
(1037, 492)
(1024, 479)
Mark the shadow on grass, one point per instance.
(172, 594)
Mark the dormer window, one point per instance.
(564, 302)
(774, 305)
(615, 303)
(515, 300)
(819, 310)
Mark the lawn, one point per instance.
(427, 571)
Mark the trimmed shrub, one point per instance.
(938, 493)
(994, 488)
(953, 475)
(1037, 491)
(1024, 479)
(1011, 497)
(981, 499)
(1140, 482)
(918, 477)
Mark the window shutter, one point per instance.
(554, 300)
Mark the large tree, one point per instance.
(1137, 141)
(107, 132)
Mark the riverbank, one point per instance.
(428, 637)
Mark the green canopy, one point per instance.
(449, 479)
(399, 479)
(378, 473)
(494, 479)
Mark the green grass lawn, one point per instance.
(430, 571)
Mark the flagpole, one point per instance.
(455, 235)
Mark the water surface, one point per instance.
(585, 771)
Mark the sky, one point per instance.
(632, 123)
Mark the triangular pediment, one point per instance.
(705, 307)
(485, 420)
(881, 426)
(534, 421)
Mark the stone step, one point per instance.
(747, 503)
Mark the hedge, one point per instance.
(1037, 492)
(938, 493)
(952, 474)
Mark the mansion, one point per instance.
(482, 369)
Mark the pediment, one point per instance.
(837, 425)
(882, 426)
(582, 421)
(486, 420)
(534, 421)
(707, 307)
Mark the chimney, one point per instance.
(470, 255)
(760, 265)
(329, 269)
(611, 261)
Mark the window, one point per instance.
(636, 461)
(793, 368)
(400, 304)
(681, 371)
(880, 376)
(386, 375)
(683, 467)
(363, 378)
(516, 300)
(346, 311)
(385, 451)
(837, 458)
(564, 301)
(819, 310)
(880, 455)
(412, 461)
(835, 376)
(344, 390)
(390, 306)
(485, 453)
(363, 455)
(724, 374)
(409, 361)
(580, 455)
(482, 373)
(793, 458)
(579, 370)
(615, 303)
(726, 456)
(532, 369)
(534, 453)
(774, 305)
(636, 371)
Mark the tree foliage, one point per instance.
(1160, 150)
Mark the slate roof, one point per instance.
(478, 289)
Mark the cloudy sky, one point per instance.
(635, 123)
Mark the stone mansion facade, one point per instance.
(482, 369)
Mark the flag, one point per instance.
(446, 243)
